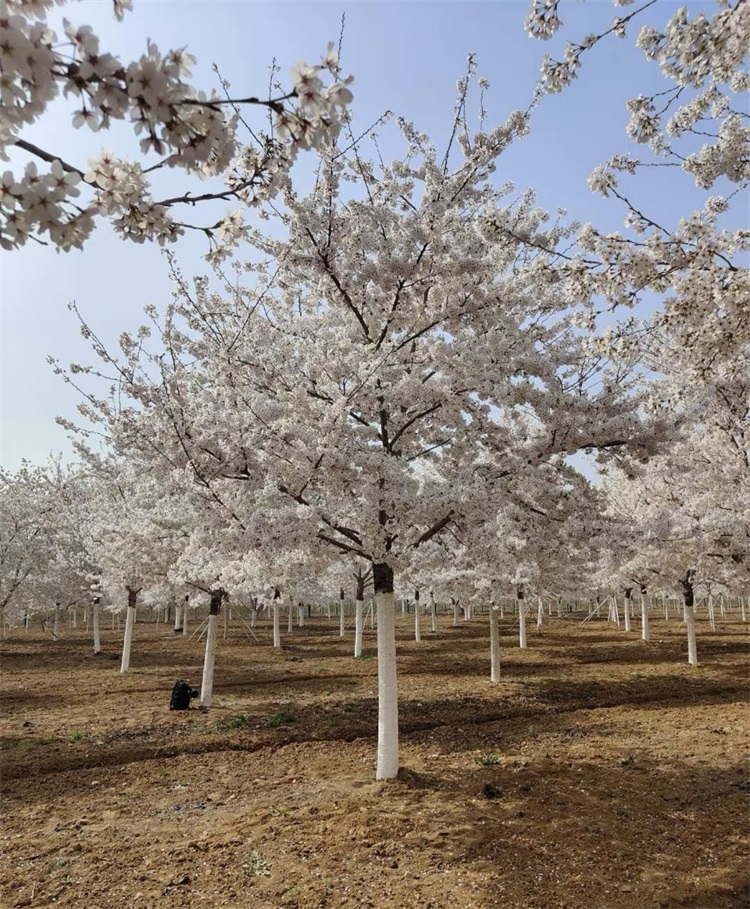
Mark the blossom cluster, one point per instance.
(184, 127)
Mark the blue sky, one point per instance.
(405, 56)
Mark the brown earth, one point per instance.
(601, 773)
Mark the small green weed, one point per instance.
(233, 722)
(75, 736)
(488, 760)
(282, 718)
(255, 865)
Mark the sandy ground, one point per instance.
(601, 773)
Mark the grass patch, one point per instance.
(282, 718)
(488, 760)
(255, 865)
(233, 722)
(75, 736)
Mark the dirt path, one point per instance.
(601, 773)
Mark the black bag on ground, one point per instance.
(182, 694)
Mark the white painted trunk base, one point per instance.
(644, 618)
(387, 763)
(692, 644)
(177, 618)
(207, 683)
(358, 623)
(494, 644)
(522, 625)
(97, 641)
(128, 639)
(276, 626)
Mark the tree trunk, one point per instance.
(628, 607)
(433, 613)
(358, 622)
(494, 644)
(521, 619)
(387, 763)
(184, 615)
(207, 682)
(455, 611)
(688, 594)
(644, 615)
(539, 614)
(129, 623)
(56, 625)
(178, 618)
(276, 626)
(711, 612)
(417, 618)
(97, 641)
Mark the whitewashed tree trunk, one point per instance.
(128, 639)
(743, 614)
(178, 618)
(644, 617)
(56, 625)
(522, 624)
(494, 644)
(74, 616)
(417, 621)
(209, 659)
(276, 625)
(711, 612)
(253, 616)
(358, 623)
(628, 609)
(692, 643)
(433, 613)
(342, 619)
(688, 595)
(539, 614)
(387, 761)
(97, 641)
(455, 612)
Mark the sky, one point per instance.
(404, 56)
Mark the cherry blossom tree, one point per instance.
(695, 129)
(43, 559)
(178, 125)
(379, 376)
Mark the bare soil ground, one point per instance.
(601, 773)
